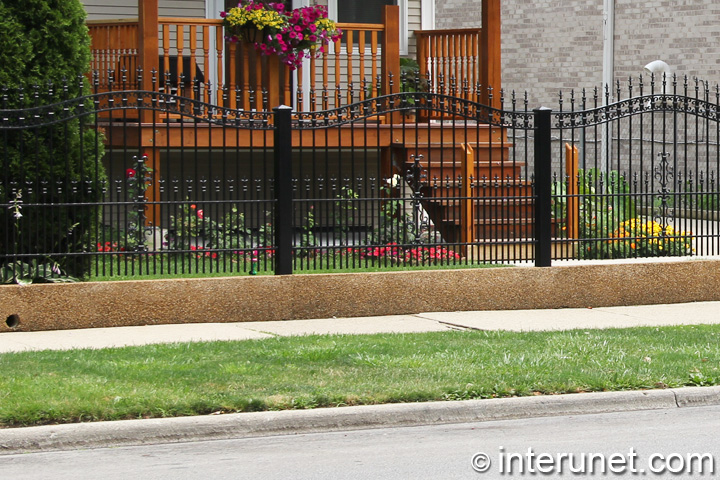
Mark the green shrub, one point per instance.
(44, 52)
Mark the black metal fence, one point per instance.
(135, 183)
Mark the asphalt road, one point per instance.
(618, 442)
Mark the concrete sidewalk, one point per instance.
(517, 320)
(259, 424)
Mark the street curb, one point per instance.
(294, 422)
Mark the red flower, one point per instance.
(130, 173)
(200, 214)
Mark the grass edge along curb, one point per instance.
(293, 422)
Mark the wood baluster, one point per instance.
(165, 67)
(361, 58)
(246, 47)
(232, 83)
(349, 48)
(206, 64)
(336, 74)
(287, 88)
(311, 86)
(374, 59)
(475, 65)
(180, 48)
(258, 85)
(193, 68)
(222, 82)
(326, 62)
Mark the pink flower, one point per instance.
(200, 214)
(223, 14)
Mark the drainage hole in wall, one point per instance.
(12, 321)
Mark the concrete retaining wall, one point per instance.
(241, 299)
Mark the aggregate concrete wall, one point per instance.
(239, 299)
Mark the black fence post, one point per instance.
(543, 187)
(283, 191)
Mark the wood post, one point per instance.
(467, 210)
(149, 47)
(573, 200)
(490, 57)
(391, 50)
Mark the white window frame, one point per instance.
(333, 15)
(212, 10)
(427, 12)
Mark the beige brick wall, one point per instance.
(684, 33)
(457, 14)
(549, 46)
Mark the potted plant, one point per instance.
(411, 82)
(273, 30)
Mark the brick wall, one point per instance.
(549, 46)
(457, 14)
(683, 33)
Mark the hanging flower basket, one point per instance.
(251, 34)
(292, 35)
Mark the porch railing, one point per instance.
(192, 56)
(464, 63)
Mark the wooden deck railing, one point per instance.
(193, 57)
(464, 62)
(449, 57)
(193, 49)
(114, 48)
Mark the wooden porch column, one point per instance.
(491, 69)
(148, 56)
(391, 50)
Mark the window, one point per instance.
(369, 11)
(361, 11)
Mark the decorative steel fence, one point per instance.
(640, 170)
(133, 183)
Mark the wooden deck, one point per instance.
(189, 58)
(175, 53)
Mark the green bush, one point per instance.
(44, 53)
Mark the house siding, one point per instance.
(414, 23)
(109, 9)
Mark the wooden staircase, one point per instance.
(471, 192)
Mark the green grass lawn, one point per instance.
(337, 370)
(165, 267)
